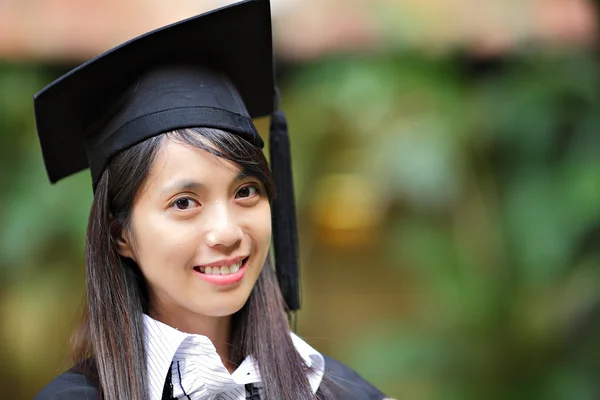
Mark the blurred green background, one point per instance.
(448, 198)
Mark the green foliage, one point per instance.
(35, 217)
(492, 187)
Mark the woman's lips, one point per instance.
(223, 275)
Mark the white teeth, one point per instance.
(221, 270)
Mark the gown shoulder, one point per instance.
(345, 383)
(70, 385)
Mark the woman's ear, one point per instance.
(124, 247)
(121, 238)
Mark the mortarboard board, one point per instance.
(213, 70)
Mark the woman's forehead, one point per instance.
(181, 164)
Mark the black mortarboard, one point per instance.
(213, 70)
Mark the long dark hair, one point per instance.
(112, 331)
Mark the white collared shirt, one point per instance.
(197, 370)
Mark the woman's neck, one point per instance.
(217, 329)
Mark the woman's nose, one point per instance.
(223, 229)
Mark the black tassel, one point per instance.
(285, 236)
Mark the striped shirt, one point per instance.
(197, 372)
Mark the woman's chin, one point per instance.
(223, 308)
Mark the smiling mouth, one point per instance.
(221, 270)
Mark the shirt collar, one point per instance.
(163, 342)
(313, 359)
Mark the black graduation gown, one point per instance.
(346, 385)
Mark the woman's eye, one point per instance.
(247, 191)
(184, 203)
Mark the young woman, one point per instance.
(182, 300)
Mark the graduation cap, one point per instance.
(213, 70)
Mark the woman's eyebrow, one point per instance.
(180, 186)
(242, 175)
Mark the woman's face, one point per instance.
(200, 233)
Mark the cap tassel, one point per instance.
(284, 213)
